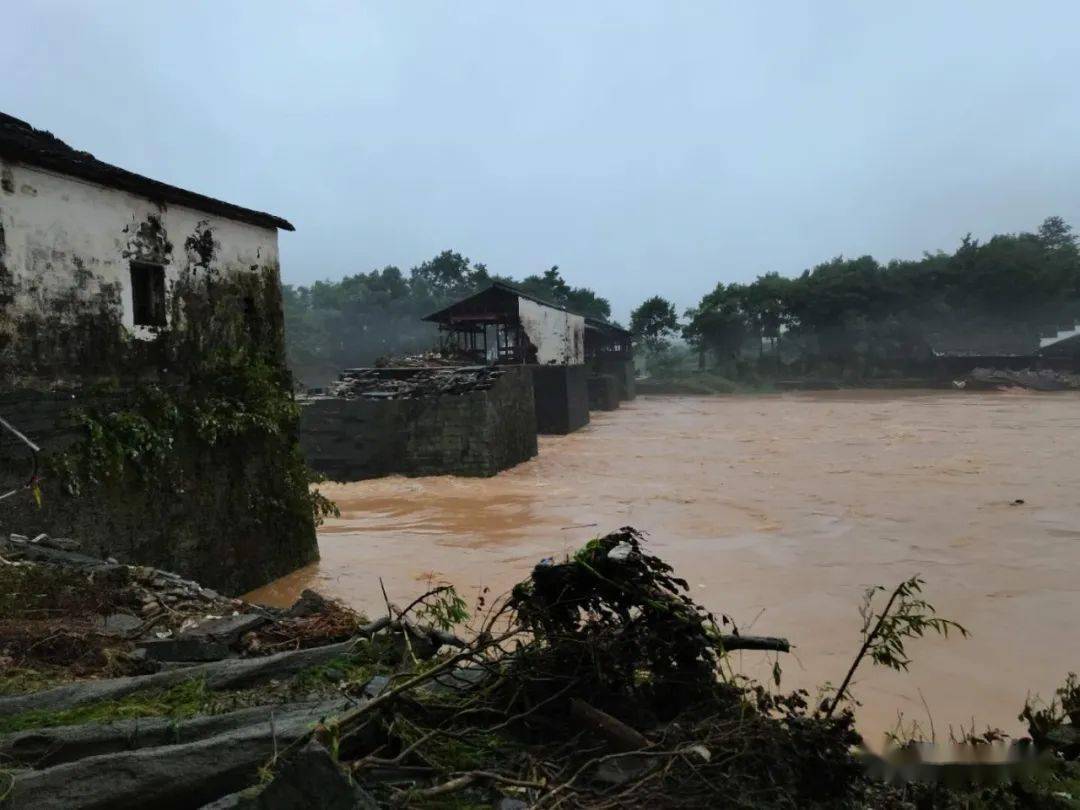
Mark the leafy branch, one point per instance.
(906, 615)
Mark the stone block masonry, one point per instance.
(476, 433)
(228, 514)
(562, 398)
(623, 372)
(603, 392)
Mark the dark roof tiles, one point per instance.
(21, 142)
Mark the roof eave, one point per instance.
(149, 188)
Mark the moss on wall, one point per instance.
(179, 450)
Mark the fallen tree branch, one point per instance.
(733, 642)
(621, 736)
(45, 747)
(218, 675)
(464, 780)
(435, 635)
(183, 775)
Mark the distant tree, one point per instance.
(719, 323)
(335, 324)
(448, 275)
(654, 323)
(552, 287)
(1056, 234)
(765, 303)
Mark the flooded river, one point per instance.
(780, 510)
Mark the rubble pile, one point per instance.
(422, 360)
(70, 613)
(375, 383)
(1034, 379)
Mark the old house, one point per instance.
(505, 324)
(609, 353)
(142, 345)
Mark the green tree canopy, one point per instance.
(654, 323)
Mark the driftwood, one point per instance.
(180, 776)
(45, 747)
(228, 674)
(732, 642)
(615, 731)
(433, 634)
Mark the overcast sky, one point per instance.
(644, 147)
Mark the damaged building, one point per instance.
(505, 325)
(142, 347)
(510, 365)
(609, 354)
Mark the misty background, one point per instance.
(646, 148)
(627, 142)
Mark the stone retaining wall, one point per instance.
(477, 433)
(603, 392)
(230, 518)
(562, 398)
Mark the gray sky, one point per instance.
(645, 147)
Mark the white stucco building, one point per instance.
(80, 238)
(507, 324)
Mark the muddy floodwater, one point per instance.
(780, 510)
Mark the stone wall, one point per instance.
(603, 392)
(477, 433)
(172, 444)
(229, 515)
(622, 371)
(562, 398)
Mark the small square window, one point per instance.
(148, 294)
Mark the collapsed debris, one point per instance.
(596, 683)
(423, 360)
(413, 382)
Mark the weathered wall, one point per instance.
(559, 336)
(228, 515)
(226, 498)
(622, 371)
(562, 398)
(65, 275)
(603, 392)
(478, 433)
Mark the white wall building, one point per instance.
(79, 237)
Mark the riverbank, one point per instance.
(316, 707)
(782, 508)
(702, 383)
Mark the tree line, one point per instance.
(858, 316)
(332, 325)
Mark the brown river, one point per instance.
(780, 510)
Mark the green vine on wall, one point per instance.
(231, 399)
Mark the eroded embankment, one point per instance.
(597, 683)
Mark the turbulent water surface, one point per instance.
(780, 511)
